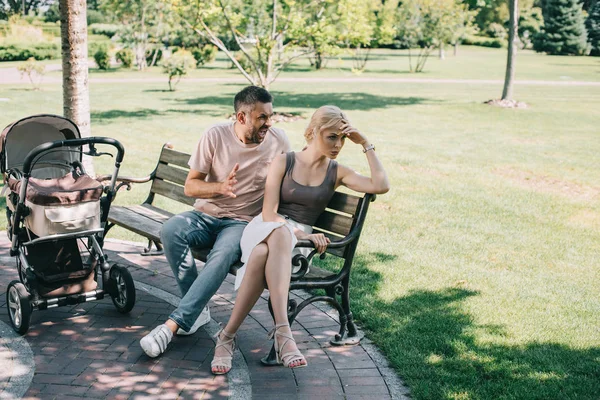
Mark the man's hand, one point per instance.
(320, 241)
(228, 186)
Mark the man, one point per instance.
(227, 176)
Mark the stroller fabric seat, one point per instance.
(68, 189)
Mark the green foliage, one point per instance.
(52, 14)
(34, 71)
(483, 41)
(496, 30)
(593, 28)
(102, 57)
(144, 24)
(153, 56)
(530, 22)
(95, 17)
(178, 65)
(205, 55)
(16, 51)
(108, 30)
(429, 24)
(564, 30)
(125, 56)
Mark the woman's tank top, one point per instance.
(303, 203)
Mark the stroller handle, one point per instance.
(72, 143)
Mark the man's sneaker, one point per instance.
(203, 319)
(155, 343)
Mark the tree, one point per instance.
(23, 7)
(430, 24)
(513, 39)
(144, 23)
(313, 27)
(76, 97)
(593, 27)
(563, 32)
(259, 29)
(357, 29)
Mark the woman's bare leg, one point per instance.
(249, 292)
(278, 274)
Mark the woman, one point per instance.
(299, 186)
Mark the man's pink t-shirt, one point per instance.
(218, 150)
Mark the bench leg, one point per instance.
(148, 250)
(351, 337)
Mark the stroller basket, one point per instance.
(61, 205)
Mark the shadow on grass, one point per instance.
(441, 352)
(145, 113)
(346, 101)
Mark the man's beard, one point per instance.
(256, 137)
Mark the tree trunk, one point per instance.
(455, 48)
(76, 95)
(442, 54)
(513, 39)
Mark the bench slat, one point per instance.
(170, 156)
(129, 219)
(154, 213)
(335, 223)
(345, 203)
(170, 173)
(171, 191)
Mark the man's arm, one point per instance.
(197, 187)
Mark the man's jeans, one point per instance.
(195, 229)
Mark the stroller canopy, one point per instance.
(22, 136)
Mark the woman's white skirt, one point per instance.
(257, 231)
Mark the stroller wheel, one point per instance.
(123, 296)
(19, 307)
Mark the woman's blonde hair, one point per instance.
(325, 117)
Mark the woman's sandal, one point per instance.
(281, 339)
(229, 345)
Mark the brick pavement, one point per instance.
(91, 351)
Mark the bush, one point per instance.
(108, 30)
(483, 41)
(24, 51)
(34, 71)
(205, 55)
(177, 66)
(102, 57)
(496, 30)
(242, 60)
(94, 45)
(125, 56)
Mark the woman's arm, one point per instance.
(378, 182)
(272, 188)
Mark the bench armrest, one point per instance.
(125, 179)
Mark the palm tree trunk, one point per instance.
(513, 38)
(76, 96)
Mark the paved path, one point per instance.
(92, 351)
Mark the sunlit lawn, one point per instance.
(478, 274)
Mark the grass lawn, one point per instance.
(478, 274)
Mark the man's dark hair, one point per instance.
(249, 96)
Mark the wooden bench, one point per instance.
(342, 222)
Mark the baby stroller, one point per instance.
(55, 219)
